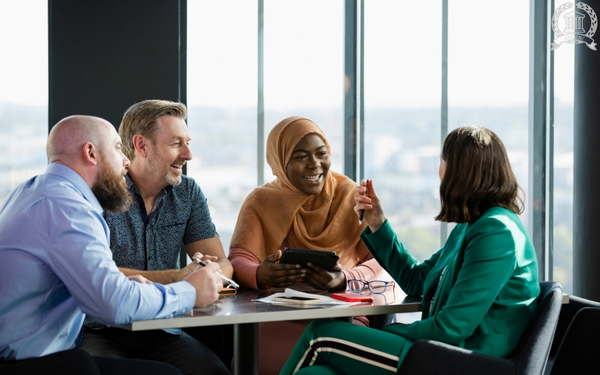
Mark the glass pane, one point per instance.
(222, 71)
(488, 84)
(23, 91)
(564, 74)
(402, 117)
(304, 68)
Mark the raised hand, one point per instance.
(370, 203)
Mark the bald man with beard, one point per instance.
(56, 264)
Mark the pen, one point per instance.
(225, 278)
(362, 212)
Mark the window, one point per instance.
(295, 66)
(304, 71)
(402, 84)
(23, 92)
(564, 75)
(487, 86)
(303, 75)
(222, 105)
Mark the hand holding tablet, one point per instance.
(324, 259)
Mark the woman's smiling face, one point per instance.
(309, 165)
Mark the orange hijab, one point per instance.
(278, 211)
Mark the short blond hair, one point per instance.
(141, 118)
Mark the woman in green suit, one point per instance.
(479, 290)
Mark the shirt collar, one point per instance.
(135, 190)
(79, 183)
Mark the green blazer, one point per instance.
(479, 290)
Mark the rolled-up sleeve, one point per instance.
(245, 266)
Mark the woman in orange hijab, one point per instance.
(306, 206)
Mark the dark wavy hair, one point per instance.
(478, 176)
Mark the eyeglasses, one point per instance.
(375, 286)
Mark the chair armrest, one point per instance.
(428, 357)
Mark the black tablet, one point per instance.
(322, 258)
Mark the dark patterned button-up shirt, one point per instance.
(152, 243)
(180, 216)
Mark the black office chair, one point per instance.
(567, 313)
(578, 351)
(427, 357)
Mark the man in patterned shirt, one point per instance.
(169, 211)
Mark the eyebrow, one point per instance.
(180, 136)
(302, 150)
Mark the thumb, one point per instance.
(274, 258)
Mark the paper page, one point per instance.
(325, 300)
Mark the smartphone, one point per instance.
(352, 297)
(324, 259)
(299, 300)
(228, 292)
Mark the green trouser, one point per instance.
(332, 347)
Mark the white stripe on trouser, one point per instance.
(346, 354)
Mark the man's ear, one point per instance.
(90, 153)
(140, 144)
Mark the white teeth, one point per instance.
(312, 177)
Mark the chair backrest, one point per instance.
(580, 346)
(567, 314)
(531, 354)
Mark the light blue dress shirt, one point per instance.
(56, 266)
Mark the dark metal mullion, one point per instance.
(183, 255)
(540, 134)
(444, 107)
(260, 119)
(350, 92)
(50, 66)
(361, 101)
(550, 162)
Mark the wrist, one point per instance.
(379, 224)
(340, 286)
(179, 275)
(261, 283)
(339, 282)
(375, 228)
